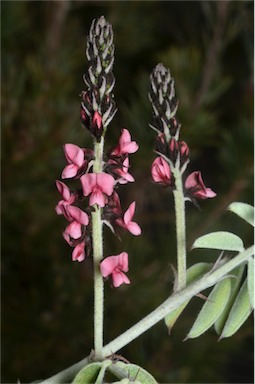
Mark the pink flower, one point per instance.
(65, 208)
(75, 157)
(127, 222)
(160, 171)
(125, 176)
(79, 252)
(195, 186)
(97, 185)
(72, 232)
(68, 199)
(116, 266)
(77, 214)
(125, 144)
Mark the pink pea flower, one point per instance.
(78, 253)
(72, 232)
(75, 157)
(97, 185)
(77, 214)
(68, 199)
(125, 144)
(195, 186)
(124, 175)
(65, 208)
(116, 266)
(127, 222)
(160, 171)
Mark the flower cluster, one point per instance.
(173, 153)
(96, 184)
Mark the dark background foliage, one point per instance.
(47, 303)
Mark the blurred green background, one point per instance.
(47, 300)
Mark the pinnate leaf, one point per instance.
(223, 240)
(239, 312)
(245, 211)
(212, 308)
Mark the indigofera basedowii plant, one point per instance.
(90, 201)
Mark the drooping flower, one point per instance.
(161, 172)
(195, 186)
(65, 208)
(125, 144)
(98, 186)
(75, 157)
(72, 232)
(68, 199)
(116, 266)
(77, 214)
(78, 253)
(127, 222)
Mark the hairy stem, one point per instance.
(180, 230)
(173, 302)
(97, 242)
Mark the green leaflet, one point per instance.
(223, 240)
(88, 374)
(193, 273)
(243, 210)
(212, 308)
(131, 373)
(235, 286)
(250, 280)
(239, 312)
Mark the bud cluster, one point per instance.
(98, 106)
(173, 153)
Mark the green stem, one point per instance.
(173, 302)
(97, 244)
(180, 230)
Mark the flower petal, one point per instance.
(134, 228)
(105, 182)
(119, 278)
(63, 189)
(79, 252)
(129, 213)
(78, 215)
(108, 264)
(74, 154)
(97, 197)
(88, 182)
(123, 261)
(73, 230)
(69, 171)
